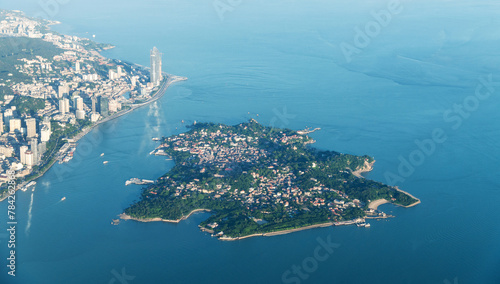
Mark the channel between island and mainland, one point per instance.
(170, 79)
(372, 205)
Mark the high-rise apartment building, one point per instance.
(155, 60)
(30, 127)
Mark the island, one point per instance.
(261, 181)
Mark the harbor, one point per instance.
(66, 152)
(29, 185)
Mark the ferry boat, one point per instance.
(138, 181)
(30, 184)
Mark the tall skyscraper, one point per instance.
(29, 158)
(64, 105)
(112, 75)
(31, 127)
(62, 109)
(7, 116)
(155, 59)
(15, 124)
(63, 90)
(45, 133)
(103, 106)
(78, 103)
(34, 150)
(22, 154)
(1, 123)
(93, 105)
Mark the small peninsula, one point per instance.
(260, 181)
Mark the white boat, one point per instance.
(102, 154)
(367, 225)
(138, 181)
(105, 162)
(30, 184)
(64, 198)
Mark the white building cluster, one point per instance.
(22, 140)
(76, 84)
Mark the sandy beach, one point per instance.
(376, 203)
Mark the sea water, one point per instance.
(292, 64)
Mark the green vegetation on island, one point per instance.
(258, 179)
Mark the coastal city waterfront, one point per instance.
(58, 91)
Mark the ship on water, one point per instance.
(138, 181)
(68, 156)
(30, 184)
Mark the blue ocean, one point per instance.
(415, 84)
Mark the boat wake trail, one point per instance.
(28, 226)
